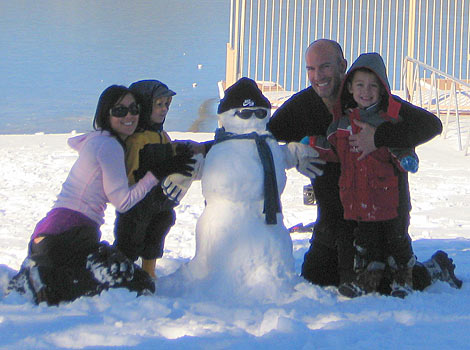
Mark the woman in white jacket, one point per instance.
(65, 257)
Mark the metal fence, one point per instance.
(442, 94)
(268, 38)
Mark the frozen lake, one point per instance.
(57, 57)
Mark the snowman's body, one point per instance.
(238, 255)
(240, 252)
(235, 248)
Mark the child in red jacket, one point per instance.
(370, 187)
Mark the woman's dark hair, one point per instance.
(108, 99)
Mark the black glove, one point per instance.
(180, 163)
(184, 149)
(150, 156)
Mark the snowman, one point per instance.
(243, 249)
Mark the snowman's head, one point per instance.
(245, 120)
(244, 108)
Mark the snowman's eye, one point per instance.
(247, 113)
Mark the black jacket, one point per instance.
(305, 114)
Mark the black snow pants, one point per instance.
(63, 264)
(141, 231)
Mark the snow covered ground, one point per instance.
(32, 170)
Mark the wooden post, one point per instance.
(411, 45)
(230, 66)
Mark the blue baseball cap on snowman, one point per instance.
(245, 93)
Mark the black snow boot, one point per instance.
(141, 283)
(28, 282)
(351, 289)
(112, 269)
(441, 268)
(366, 281)
(402, 283)
(369, 279)
(349, 285)
(109, 266)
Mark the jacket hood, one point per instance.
(146, 91)
(77, 142)
(373, 62)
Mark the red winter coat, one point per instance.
(369, 187)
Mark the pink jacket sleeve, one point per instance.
(115, 181)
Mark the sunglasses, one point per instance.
(247, 113)
(121, 111)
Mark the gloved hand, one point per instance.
(175, 186)
(305, 140)
(410, 163)
(109, 266)
(173, 191)
(310, 167)
(305, 159)
(177, 164)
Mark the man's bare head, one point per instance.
(326, 66)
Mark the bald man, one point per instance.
(329, 260)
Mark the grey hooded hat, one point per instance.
(147, 91)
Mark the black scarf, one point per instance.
(272, 204)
